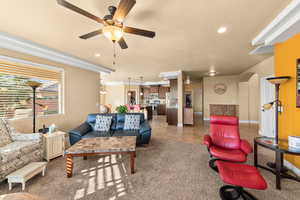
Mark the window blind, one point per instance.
(16, 95)
(30, 71)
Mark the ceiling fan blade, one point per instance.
(91, 34)
(123, 9)
(140, 32)
(79, 10)
(122, 43)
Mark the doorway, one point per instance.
(267, 94)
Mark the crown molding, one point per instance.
(262, 49)
(170, 75)
(284, 26)
(17, 44)
(29, 63)
(147, 83)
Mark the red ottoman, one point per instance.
(239, 176)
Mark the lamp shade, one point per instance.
(268, 106)
(34, 84)
(278, 79)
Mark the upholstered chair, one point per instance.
(17, 149)
(224, 142)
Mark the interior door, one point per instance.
(267, 126)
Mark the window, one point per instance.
(16, 95)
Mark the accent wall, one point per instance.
(286, 55)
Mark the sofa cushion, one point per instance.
(17, 149)
(120, 118)
(4, 133)
(91, 119)
(126, 133)
(102, 123)
(120, 125)
(93, 134)
(132, 122)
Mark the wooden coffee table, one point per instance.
(101, 146)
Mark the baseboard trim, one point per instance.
(249, 121)
(292, 167)
(198, 113)
(179, 125)
(241, 121)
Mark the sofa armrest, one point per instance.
(144, 127)
(207, 141)
(246, 147)
(26, 137)
(81, 130)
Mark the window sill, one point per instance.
(37, 117)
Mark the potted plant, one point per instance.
(121, 109)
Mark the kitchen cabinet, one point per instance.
(154, 89)
(188, 116)
(172, 116)
(161, 109)
(146, 92)
(162, 92)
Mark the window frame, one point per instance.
(61, 88)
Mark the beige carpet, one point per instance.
(166, 169)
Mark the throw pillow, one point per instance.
(132, 122)
(102, 123)
(4, 133)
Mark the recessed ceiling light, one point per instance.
(222, 29)
(97, 54)
(212, 73)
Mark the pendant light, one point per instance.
(142, 92)
(129, 93)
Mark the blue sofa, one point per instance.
(86, 130)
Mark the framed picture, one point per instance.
(298, 84)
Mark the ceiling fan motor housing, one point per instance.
(112, 10)
(109, 18)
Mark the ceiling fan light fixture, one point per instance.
(113, 33)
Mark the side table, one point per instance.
(280, 149)
(54, 144)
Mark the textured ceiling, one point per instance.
(186, 33)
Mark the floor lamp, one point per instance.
(34, 85)
(277, 81)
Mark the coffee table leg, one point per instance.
(69, 166)
(132, 159)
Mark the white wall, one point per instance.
(248, 99)
(252, 77)
(115, 95)
(210, 97)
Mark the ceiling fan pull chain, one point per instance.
(114, 61)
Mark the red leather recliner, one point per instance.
(224, 141)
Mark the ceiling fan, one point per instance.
(113, 23)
